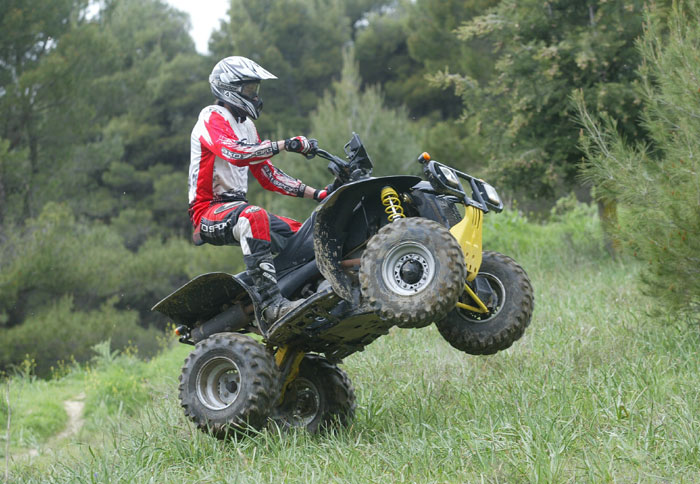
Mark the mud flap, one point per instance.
(204, 297)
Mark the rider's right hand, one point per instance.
(298, 144)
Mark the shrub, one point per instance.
(117, 386)
(570, 235)
(657, 186)
(59, 332)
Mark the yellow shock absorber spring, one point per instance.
(390, 199)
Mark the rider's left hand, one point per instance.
(320, 194)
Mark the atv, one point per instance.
(376, 253)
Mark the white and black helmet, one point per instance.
(236, 80)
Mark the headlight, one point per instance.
(450, 176)
(492, 194)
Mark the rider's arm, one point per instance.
(273, 179)
(225, 144)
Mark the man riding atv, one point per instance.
(378, 252)
(224, 146)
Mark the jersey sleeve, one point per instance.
(224, 143)
(272, 178)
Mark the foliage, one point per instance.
(391, 139)
(59, 332)
(115, 384)
(571, 234)
(299, 41)
(400, 46)
(657, 185)
(62, 282)
(35, 84)
(545, 51)
(98, 100)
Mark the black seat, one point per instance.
(298, 249)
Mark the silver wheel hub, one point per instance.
(408, 268)
(307, 403)
(218, 383)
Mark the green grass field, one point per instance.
(596, 391)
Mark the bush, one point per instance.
(657, 186)
(570, 235)
(57, 273)
(59, 332)
(115, 385)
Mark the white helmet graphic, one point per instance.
(236, 80)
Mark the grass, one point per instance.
(596, 391)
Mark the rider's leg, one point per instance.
(252, 230)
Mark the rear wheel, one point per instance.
(229, 383)
(510, 309)
(412, 272)
(319, 398)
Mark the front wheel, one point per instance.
(319, 398)
(510, 309)
(412, 271)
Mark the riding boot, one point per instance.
(262, 270)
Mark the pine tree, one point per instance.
(657, 185)
(543, 52)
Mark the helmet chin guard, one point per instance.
(235, 81)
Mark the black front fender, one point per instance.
(333, 225)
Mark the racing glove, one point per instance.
(298, 144)
(322, 193)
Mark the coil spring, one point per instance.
(390, 199)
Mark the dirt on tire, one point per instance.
(469, 334)
(436, 297)
(256, 392)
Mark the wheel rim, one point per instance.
(408, 268)
(218, 383)
(306, 404)
(500, 296)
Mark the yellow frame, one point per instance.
(482, 307)
(468, 234)
(281, 356)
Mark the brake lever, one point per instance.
(314, 148)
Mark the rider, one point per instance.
(225, 146)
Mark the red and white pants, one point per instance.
(256, 230)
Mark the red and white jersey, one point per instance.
(223, 150)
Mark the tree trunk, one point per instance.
(607, 212)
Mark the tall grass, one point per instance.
(596, 391)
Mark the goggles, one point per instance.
(250, 89)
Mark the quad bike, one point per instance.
(376, 253)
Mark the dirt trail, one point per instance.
(74, 409)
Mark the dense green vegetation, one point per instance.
(657, 183)
(597, 391)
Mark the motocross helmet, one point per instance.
(235, 81)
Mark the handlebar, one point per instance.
(359, 164)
